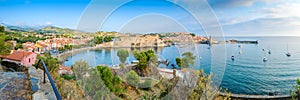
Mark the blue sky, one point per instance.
(237, 17)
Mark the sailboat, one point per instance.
(232, 58)
(240, 52)
(240, 46)
(265, 59)
(288, 54)
(269, 52)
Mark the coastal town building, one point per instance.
(64, 70)
(42, 46)
(21, 57)
(138, 41)
(183, 37)
(29, 46)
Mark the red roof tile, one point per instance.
(64, 68)
(18, 55)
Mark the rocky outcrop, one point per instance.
(45, 90)
(15, 86)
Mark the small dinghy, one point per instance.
(232, 58)
(265, 59)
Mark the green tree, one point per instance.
(145, 58)
(296, 90)
(80, 68)
(97, 39)
(188, 59)
(68, 47)
(69, 77)
(2, 28)
(108, 38)
(51, 63)
(119, 88)
(106, 76)
(151, 57)
(122, 54)
(179, 62)
(204, 89)
(132, 78)
(61, 49)
(19, 46)
(113, 83)
(4, 47)
(93, 86)
(193, 34)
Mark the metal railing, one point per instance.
(50, 79)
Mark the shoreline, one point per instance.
(63, 56)
(248, 96)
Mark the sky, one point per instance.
(236, 17)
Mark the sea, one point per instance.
(246, 74)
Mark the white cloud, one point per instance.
(279, 18)
(283, 10)
(48, 23)
(289, 26)
(245, 3)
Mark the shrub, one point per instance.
(68, 77)
(132, 78)
(146, 85)
(113, 83)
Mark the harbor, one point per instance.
(247, 65)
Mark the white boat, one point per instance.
(265, 59)
(135, 62)
(240, 52)
(240, 46)
(269, 52)
(288, 54)
(232, 58)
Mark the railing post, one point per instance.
(44, 76)
(50, 78)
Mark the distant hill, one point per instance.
(42, 29)
(20, 29)
(57, 30)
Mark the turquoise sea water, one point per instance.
(247, 74)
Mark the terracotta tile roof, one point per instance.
(30, 47)
(64, 68)
(43, 45)
(18, 55)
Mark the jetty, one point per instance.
(242, 41)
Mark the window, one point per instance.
(29, 60)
